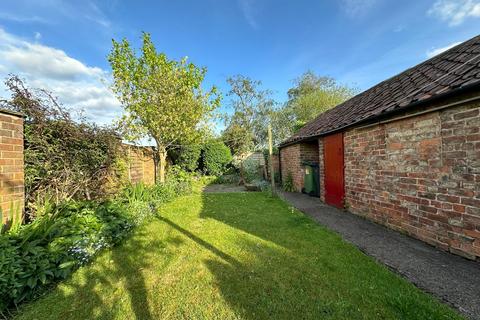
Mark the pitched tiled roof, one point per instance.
(454, 69)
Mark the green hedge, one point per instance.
(215, 157)
(187, 157)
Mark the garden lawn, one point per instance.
(234, 256)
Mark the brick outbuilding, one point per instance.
(405, 153)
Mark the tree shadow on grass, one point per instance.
(287, 267)
(254, 290)
(199, 241)
(98, 290)
(130, 259)
(255, 213)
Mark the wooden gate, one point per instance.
(334, 170)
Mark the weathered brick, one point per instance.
(292, 158)
(11, 163)
(419, 175)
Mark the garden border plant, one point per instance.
(35, 256)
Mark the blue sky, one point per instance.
(62, 45)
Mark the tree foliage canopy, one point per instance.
(163, 98)
(252, 109)
(313, 94)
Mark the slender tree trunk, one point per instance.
(161, 159)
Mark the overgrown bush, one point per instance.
(64, 158)
(215, 157)
(251, 170)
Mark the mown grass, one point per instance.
(234, 256)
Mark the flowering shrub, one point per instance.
(51, 247)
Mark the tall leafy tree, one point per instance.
(163, 98)
(252, 107)
(312, 95)
(246, 127)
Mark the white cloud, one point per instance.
(22, 18)
(37, 36)
(435, 51)
(96, 15)
(77, 85)
(357, 8)
(455, 12)
(249, 11)
(54, 12)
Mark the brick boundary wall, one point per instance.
(421, 176)
(12, 188)
(141, 166)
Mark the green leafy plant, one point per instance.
(51, 247)
(261, 184)
(251, 170)
(14, 219)
(227, 179)
(288, 183)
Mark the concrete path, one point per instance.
(453, 279)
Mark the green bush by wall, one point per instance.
(215, 157)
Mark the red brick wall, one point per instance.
(420, 175)
(276, 163)
(290, 163)
(291, 159)
(141, 167)
(276, 166)
(11, 164)
(309, 151)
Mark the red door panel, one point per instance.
(334, 169)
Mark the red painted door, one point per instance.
(334, 169)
